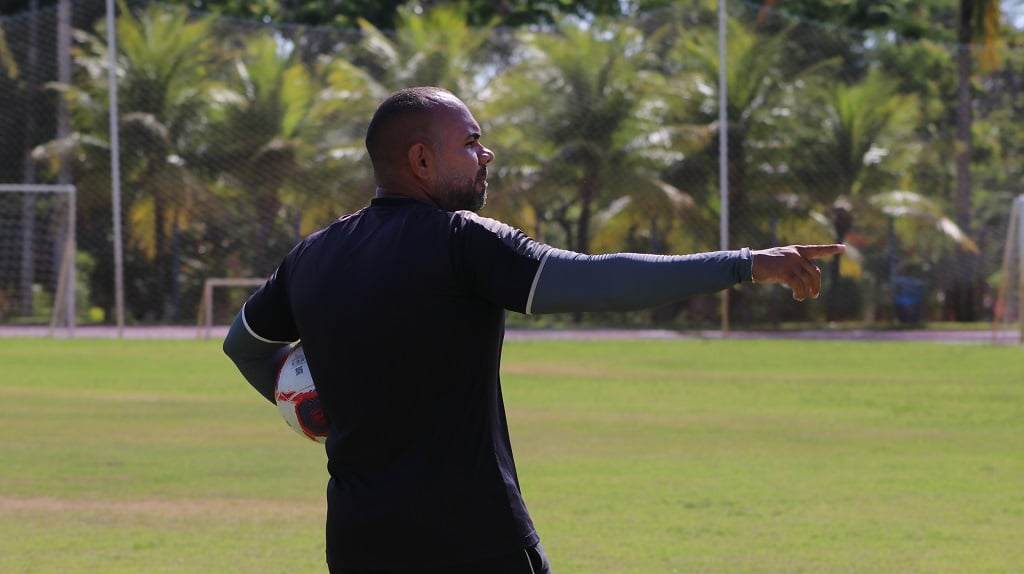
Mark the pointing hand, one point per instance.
(791, 265)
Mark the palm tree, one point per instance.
(28, 207)
(163, 63)
(756, 87)
(577, 118)
(339, 175)
(857, 120)
(979, 23)
(858, 129)
(255, 139)
(435, 48)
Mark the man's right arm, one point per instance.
(568, 282)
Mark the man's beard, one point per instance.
(462, 194)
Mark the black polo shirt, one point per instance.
(401, 309)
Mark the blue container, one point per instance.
(908, 299)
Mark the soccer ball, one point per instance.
(297, 399)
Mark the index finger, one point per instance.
(817, 251)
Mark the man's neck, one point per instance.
(405, 191)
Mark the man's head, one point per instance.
(424, 143)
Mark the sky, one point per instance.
(1014, 10)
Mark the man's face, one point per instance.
(461, 180)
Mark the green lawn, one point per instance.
(635, 457)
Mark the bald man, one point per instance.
(400, 308)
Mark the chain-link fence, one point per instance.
(237, 138)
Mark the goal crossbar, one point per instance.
(37, 188)
(205, 322)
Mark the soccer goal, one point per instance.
(205, 321)
(1009, 309)
(37, 256)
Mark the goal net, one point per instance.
(1009, 309)
(37, 255)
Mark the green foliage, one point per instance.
(239, 137)
(387, 14)
(164, 61)
(584, 92)
(909, 18)
(435, 48)
(257, 124)
(862, 125)
(755, 102)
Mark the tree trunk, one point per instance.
(842, 221)
(64, 176)
(28, 205)
(588, 192)
(161, 255)
(963, 276)
(737, 188)
(587, 195)
(269, 205)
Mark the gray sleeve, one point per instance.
(572, 282)
(258, 360)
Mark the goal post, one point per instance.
(1009, 308)
(205, 322)
(37, 254)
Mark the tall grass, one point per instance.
(635, 456)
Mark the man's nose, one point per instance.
(486, 156)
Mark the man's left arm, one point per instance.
(259, 360)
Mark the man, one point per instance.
(400, 308)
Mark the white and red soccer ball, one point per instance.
(297, 398)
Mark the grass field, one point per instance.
(635, 457)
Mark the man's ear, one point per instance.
(421, 160)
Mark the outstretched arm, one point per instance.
(570, 282)
(258, 360)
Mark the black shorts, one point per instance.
(527, 561)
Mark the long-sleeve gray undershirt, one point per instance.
(259, 361)
(574, 282)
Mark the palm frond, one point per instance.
(908, 204)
